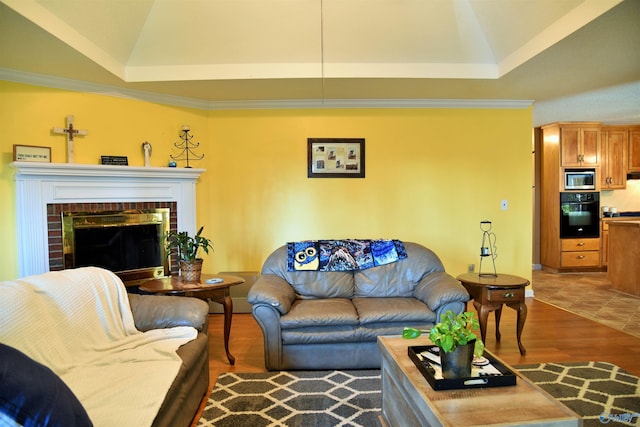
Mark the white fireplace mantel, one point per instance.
(40, 184)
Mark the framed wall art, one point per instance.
(335, 157)
(31, 153)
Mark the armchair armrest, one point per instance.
(161, 311)
(274, 291)
(438, 289)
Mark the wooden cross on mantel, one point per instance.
(70, 132)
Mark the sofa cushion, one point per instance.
(191, 384)
(398, 279)
(320, 335)
(33, 395)
(320, 312)
(371, 331)
(382, 282)
(387, 310)
(309, 284)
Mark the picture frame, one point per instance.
(335, 158)
(31, 153)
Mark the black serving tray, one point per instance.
(505, 378)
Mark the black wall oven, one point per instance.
(580, 214)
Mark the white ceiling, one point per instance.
(562, 54)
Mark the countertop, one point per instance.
(620, 218)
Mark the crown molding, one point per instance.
(99, 89)
(119, 92)
(372, 103)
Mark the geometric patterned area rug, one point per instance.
(600, 392)
(295, 398)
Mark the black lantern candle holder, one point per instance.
(488, 248)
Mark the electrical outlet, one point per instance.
(504, 205)
(471, 268)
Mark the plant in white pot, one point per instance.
(185, 248)
(458, 343)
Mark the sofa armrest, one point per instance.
(438, 289)
(161, 311)
(272, 290)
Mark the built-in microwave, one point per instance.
(579, 179)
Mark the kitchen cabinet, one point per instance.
(604, 235)
(612, 151)
(613, 174)
(561, 146)
(581, 252)
(579, 146)
(604, 243)
(624, 248)
(633, 154)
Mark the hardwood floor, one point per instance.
(550, 334)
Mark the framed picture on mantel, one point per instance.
(31, 153)
(335, 158)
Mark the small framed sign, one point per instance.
(114, 160)
(31, 153)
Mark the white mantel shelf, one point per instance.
(76, 170)
(40, 184)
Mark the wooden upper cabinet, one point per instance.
(570, 146)
(613, 174)
(590, 147)
(580, 146)
(633, 153)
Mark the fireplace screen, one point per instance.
(129, 243)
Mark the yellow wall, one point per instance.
(431, 174)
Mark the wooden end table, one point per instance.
(218, 292)
(490, 293)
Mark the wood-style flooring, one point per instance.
(550, 334)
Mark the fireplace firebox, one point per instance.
(129, 242)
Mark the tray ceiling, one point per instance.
(229, 50)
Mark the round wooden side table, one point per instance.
(217, 292)
(490, 293)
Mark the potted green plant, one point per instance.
(185, 248)
(458, 343)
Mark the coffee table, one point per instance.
(489, 293)
(218, 292)
(408, 399)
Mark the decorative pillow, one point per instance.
(33, 395)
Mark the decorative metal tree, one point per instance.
(186, 147)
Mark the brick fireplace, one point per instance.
(45, 190)
(54, 221)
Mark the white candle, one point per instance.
(185, 127)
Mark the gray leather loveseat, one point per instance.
(331, 320)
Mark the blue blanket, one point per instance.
(342, 255)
